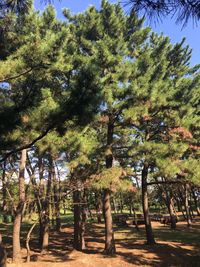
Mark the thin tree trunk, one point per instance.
(56, 200)
(114, 205)
(178, 204)
(187, 211)
(98, 207)
(145, 204)
(195, 202)
(167, 195)
(4, 191)
(83, 221)
(121, 202)
(19, 210)
(3, 254)
(77, 219)
(28, 256)
(182, 200)
(38, 194)
(135, 217)
(45, 214)
(130, 208)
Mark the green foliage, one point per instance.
(111, 178)
(101, 85)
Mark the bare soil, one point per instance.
(175, 248)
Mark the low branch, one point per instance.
(27, 145)
(27, 242)
(166, 182)
(17, 75)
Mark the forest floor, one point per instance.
(180, 247)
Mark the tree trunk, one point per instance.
(4, 193)
(121, 202)
(45, 213)
(178, 204)
(19, 209)
(145, 204)
(172, 214)
(195, 202)
(55, 197)
(187, 211)
(114, 205)
(135, 217)
(83, 221)
(3, 254)
(98, 207)
(167, 195)
(77, 219)
(109, 234)
(28, 256)
(39, 194)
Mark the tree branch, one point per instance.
(166, 182)
(27, 145)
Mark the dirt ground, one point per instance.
(176, 248)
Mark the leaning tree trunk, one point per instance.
(145, 204)
(109, 234)
(19, 209)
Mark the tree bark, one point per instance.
(187, 211)
(121, 202)
(109, 234)
(28, 256)
(172, 214)
(4, 193)
(19, 209)
(167, 195)
(145, 204)
(98, 207)
(3, 254)
(45, 214)
(56, 198)
(195, 202)
(83, 222)
(77, 219)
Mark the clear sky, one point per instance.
(168, 26)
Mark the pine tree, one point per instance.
(160, 129)
(53, 66)
(109, 39)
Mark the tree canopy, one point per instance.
(157, 9)
(97, 112)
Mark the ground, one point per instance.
(180, 247)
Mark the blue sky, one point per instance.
(168, 26)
